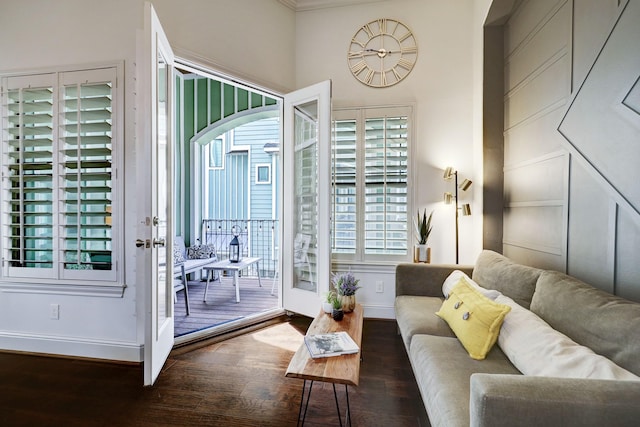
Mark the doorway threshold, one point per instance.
(227, 330)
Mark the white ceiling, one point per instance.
(300, 5)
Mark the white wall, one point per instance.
(442, 87)
(40, 34)
(249, 39)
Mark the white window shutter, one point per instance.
(85, 166)
(28, 177)
(57, 166)
(370, 183)
(344, 187)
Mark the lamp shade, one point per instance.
(448, 198)
(465, 185)
(448, 173)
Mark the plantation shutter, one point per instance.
(370, 175)
(386, 185)
(28, 176)
(86, 170)
(343, 161)
(57, 167)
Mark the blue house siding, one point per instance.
(234, 194)
(229, 189)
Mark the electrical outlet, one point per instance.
(54, 311)
(379, 286)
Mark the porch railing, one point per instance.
(258, 238)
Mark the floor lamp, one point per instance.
(449, 174)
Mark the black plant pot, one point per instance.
(337, 314)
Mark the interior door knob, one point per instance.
(158, 242)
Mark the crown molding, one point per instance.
(291, 4)
(303, 5)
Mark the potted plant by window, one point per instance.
(327, 305)
(422, 253)
(346, 285)
(337, 313)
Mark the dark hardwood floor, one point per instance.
(235, 382)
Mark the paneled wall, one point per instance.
(569, 201)
(537, 85)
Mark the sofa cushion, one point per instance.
(443, 369)
(474, 318)
(607, 324)
(495, 271)
(458, 275)
(415, 315)
(536, 349)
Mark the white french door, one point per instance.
(155, 192)
(306, 197)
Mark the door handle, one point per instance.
(158, 242)
(143, 243)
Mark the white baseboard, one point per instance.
(379, 311)
(75, 347)
(111, 350)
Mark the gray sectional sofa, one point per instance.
(460, 391)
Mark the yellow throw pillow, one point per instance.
(474, 318)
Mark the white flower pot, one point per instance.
(422, 253)
(327, 307)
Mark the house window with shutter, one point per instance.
(59, 192)
(370, 171)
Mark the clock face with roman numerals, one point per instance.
(382, 53)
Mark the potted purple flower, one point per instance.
(346, 285)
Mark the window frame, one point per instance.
(269, 178)
(210, 151)
(360, 115)
(74, 282)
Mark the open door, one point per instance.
(155, 193)
(306, 253)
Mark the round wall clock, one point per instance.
(382, 53)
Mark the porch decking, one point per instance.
(221, 306)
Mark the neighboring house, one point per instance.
(242, 181)
(242, 189)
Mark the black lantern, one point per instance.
(234, 249)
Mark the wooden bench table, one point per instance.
(344, 369)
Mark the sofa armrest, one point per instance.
(517, 400)
(425, 279)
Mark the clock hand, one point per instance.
(380, 52)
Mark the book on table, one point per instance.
(331, 344)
